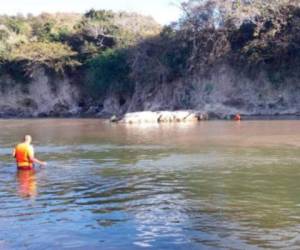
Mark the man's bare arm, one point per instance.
(35, 160)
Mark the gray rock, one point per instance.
(162, 117)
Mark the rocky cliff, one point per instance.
(222, 93)
(42, 96)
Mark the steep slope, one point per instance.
(244, 59)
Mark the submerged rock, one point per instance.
(163, 117)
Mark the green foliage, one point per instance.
(60, 41)
(3, 51)
(53, 55)
(100, 15)
(40, 52)
(4, 35)
(116, 49)
(99, 28)
(17, 25)
(176, 59)
(62, 34)
(17, 70)
(50, 28)
(256, 35)
(108, 71)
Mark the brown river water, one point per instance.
(211, 185)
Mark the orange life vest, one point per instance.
(24, 154)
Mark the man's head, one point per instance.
(28, 139)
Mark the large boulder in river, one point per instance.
(140, 117)
(166, 116)
(163, 117)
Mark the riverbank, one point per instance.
(246, 70)
(120, 119)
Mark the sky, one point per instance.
(164, 11)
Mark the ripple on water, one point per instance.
(123, 195)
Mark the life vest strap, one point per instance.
(24, 164)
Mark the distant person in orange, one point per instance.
(24, 154)
(237, 117)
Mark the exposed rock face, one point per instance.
(43, 96)
(220, 95)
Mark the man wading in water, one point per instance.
(24, 154)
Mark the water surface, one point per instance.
(210, 185)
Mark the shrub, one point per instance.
(109, 70)
(17, 25)
(55, 56)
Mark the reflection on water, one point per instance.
(177, 186)
(27, 183)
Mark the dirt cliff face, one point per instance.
(222, 93)
(42, 96)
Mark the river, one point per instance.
(209, 185)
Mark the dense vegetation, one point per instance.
(249, 35)
(67, 43)
(114, 51)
